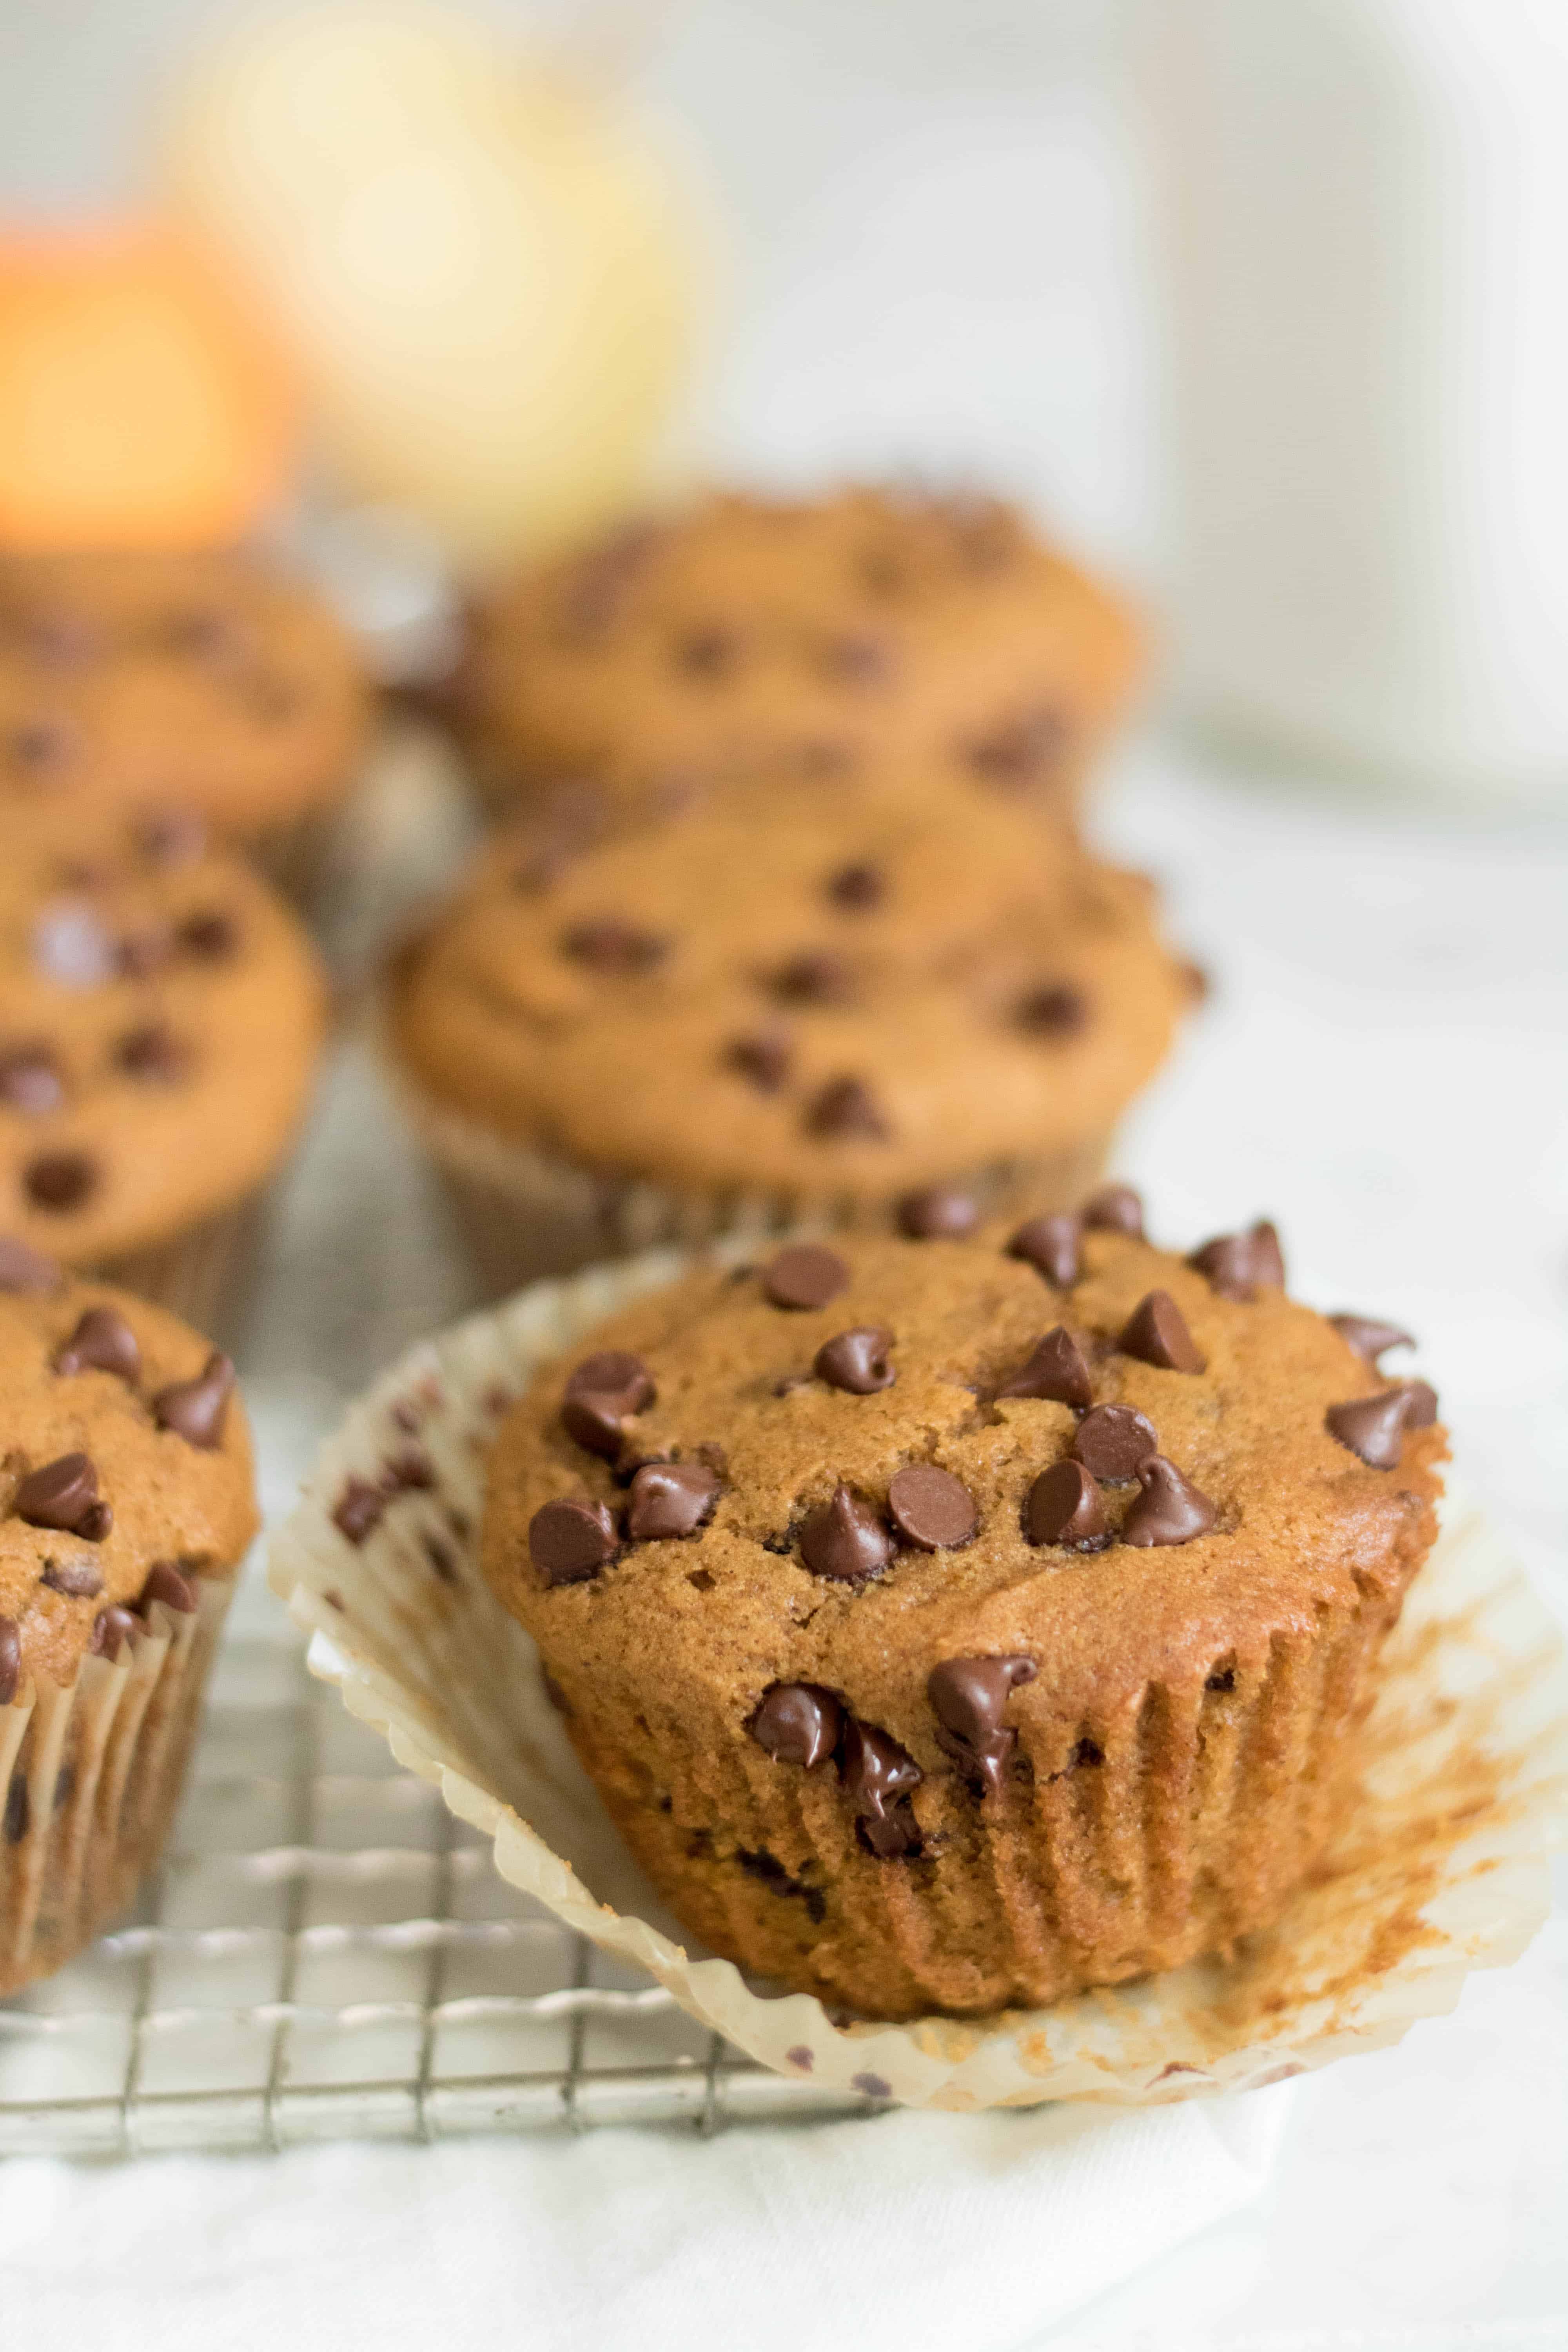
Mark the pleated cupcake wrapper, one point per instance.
(1438, 1867)
(524, 1214)
(91, 1775)
(205, 1274)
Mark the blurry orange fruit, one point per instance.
(139, 405)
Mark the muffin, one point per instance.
(749, 1019)
(126, 1502)
(798, 640)
(161, 1016)
(132, 685)
(952, 1624)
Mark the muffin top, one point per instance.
(806, 635)
(160, 1015)
(1059, 1452)
(126, 1473)
(143, 682)
(847, 1001)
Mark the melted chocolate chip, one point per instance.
(857, 887)
(1156, 1333)
(1056, 1370)
(763, 1059)
(164, 1583)
(25, 1269)
(879, 1775)
(844, 1108)
(196, 1410)
(938, 1214)
(111, 1628)
(1021, 752)
(1113, 1440)
(358, 1509)
(59, 1180)
(1064, 1507)
(1053, 1011)
(814, 977)
(103, 1341)
(1050, 1244)
(603, 1394)
(845, 1539)
(1115, 1209)
(79, 1579)
(1372, 1426)
(608, 945)
(967, 1696)
(152, 1054)
(572, 1539)
(211, 936)
(931, 1508)
(669, 1498)
(1170, 1511)
(1368, 1338)
(797, 1723)
(30, 1079)
(63, 1494)
(1238, 1265)
(857, 1361)
(10, 1659)
(805, 1275)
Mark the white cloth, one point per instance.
(881, 2236)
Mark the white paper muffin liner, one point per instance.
(1440, 1866)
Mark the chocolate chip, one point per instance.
(18, 1811)
(931, 1508)
(61, 1493)
(1156, 1333)
(1055, 1369)
(103, 1341)
(879, 1775)
(1113, 1440)
(1170, 1511)
(605, 944)
(410, 1468)
(967, 1696)
(211, 937)
(10, 1659)
(196, 1410)
(857, 887)
(71, 946)
(1020, 752)
(1050, 1244)
(1115, 1209)
(1056, 1011)
(1368, 1338)
(1222, 1679)
(152, 1053)
(799, 2055)
(845, 1539)
(30, 1079)
(797, 1723)
(1373, 1426)
(763, 1059)
(59, 1180)
(872, 2086)
(938, 1214)
(815, 977)
(845, 1107)
(857, 1361)
(1064, 1507)
(602, 1394)
(572, 1539)
(1420, 1405)
(856, 660)
(1238, 1265)
(79, 1579)
(164, 1583)
(669, 1498)
(709, 653)
(805, 1275)
(25, 1269)
(172, 838)
(358, 1509)
(112, 1628)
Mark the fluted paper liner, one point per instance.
(1438, 1865)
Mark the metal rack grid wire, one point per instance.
(327, 1954)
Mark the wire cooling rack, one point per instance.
(327, 1954)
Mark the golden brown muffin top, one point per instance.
(161, 1012)
(809, 634)
(792, 996)
(846, 1467)
(137, 683)
(125, 1470)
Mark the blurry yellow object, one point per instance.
(139, 405)
(487, 279)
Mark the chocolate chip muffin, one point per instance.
(126, 1502)
(132, 685)
(952, 1623)
(161, 1015)
(799, 640)
(754, 1018)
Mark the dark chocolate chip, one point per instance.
(152, 1053)
(111, 1628)
(1238, 1265)
(967, 1696)
(1055, 1370)
(816, 976)
(59, 1180)
(845, 1539)
(196, 1410)
(1063, 1506)
(1113, 1439)
(857, 1361)
(71, 946)
(572, 1539)
(602, 1394)
(103, 1341)
(1115, 1209)
(1368, 1338)
(358, 1509)
(939, 1214)
(763, 1059)
(797, 1723)
(879, 1775)
(1054, 1011)
(1170, 1511)
(1021, 752)
(931, 1508)
(761, 1863)
(18, 1811)
(211, 936)
(61, 1493)
(669, 1498)
(857, 887)
(1420, 1405)
(164, 1583)
(1156, 1333)
(79, 1579)
(22, 1268)
(30, 1079)
(10, 1659)
(605, 944)
(805, 1275)
(1050, 1244)
(845, 1107)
